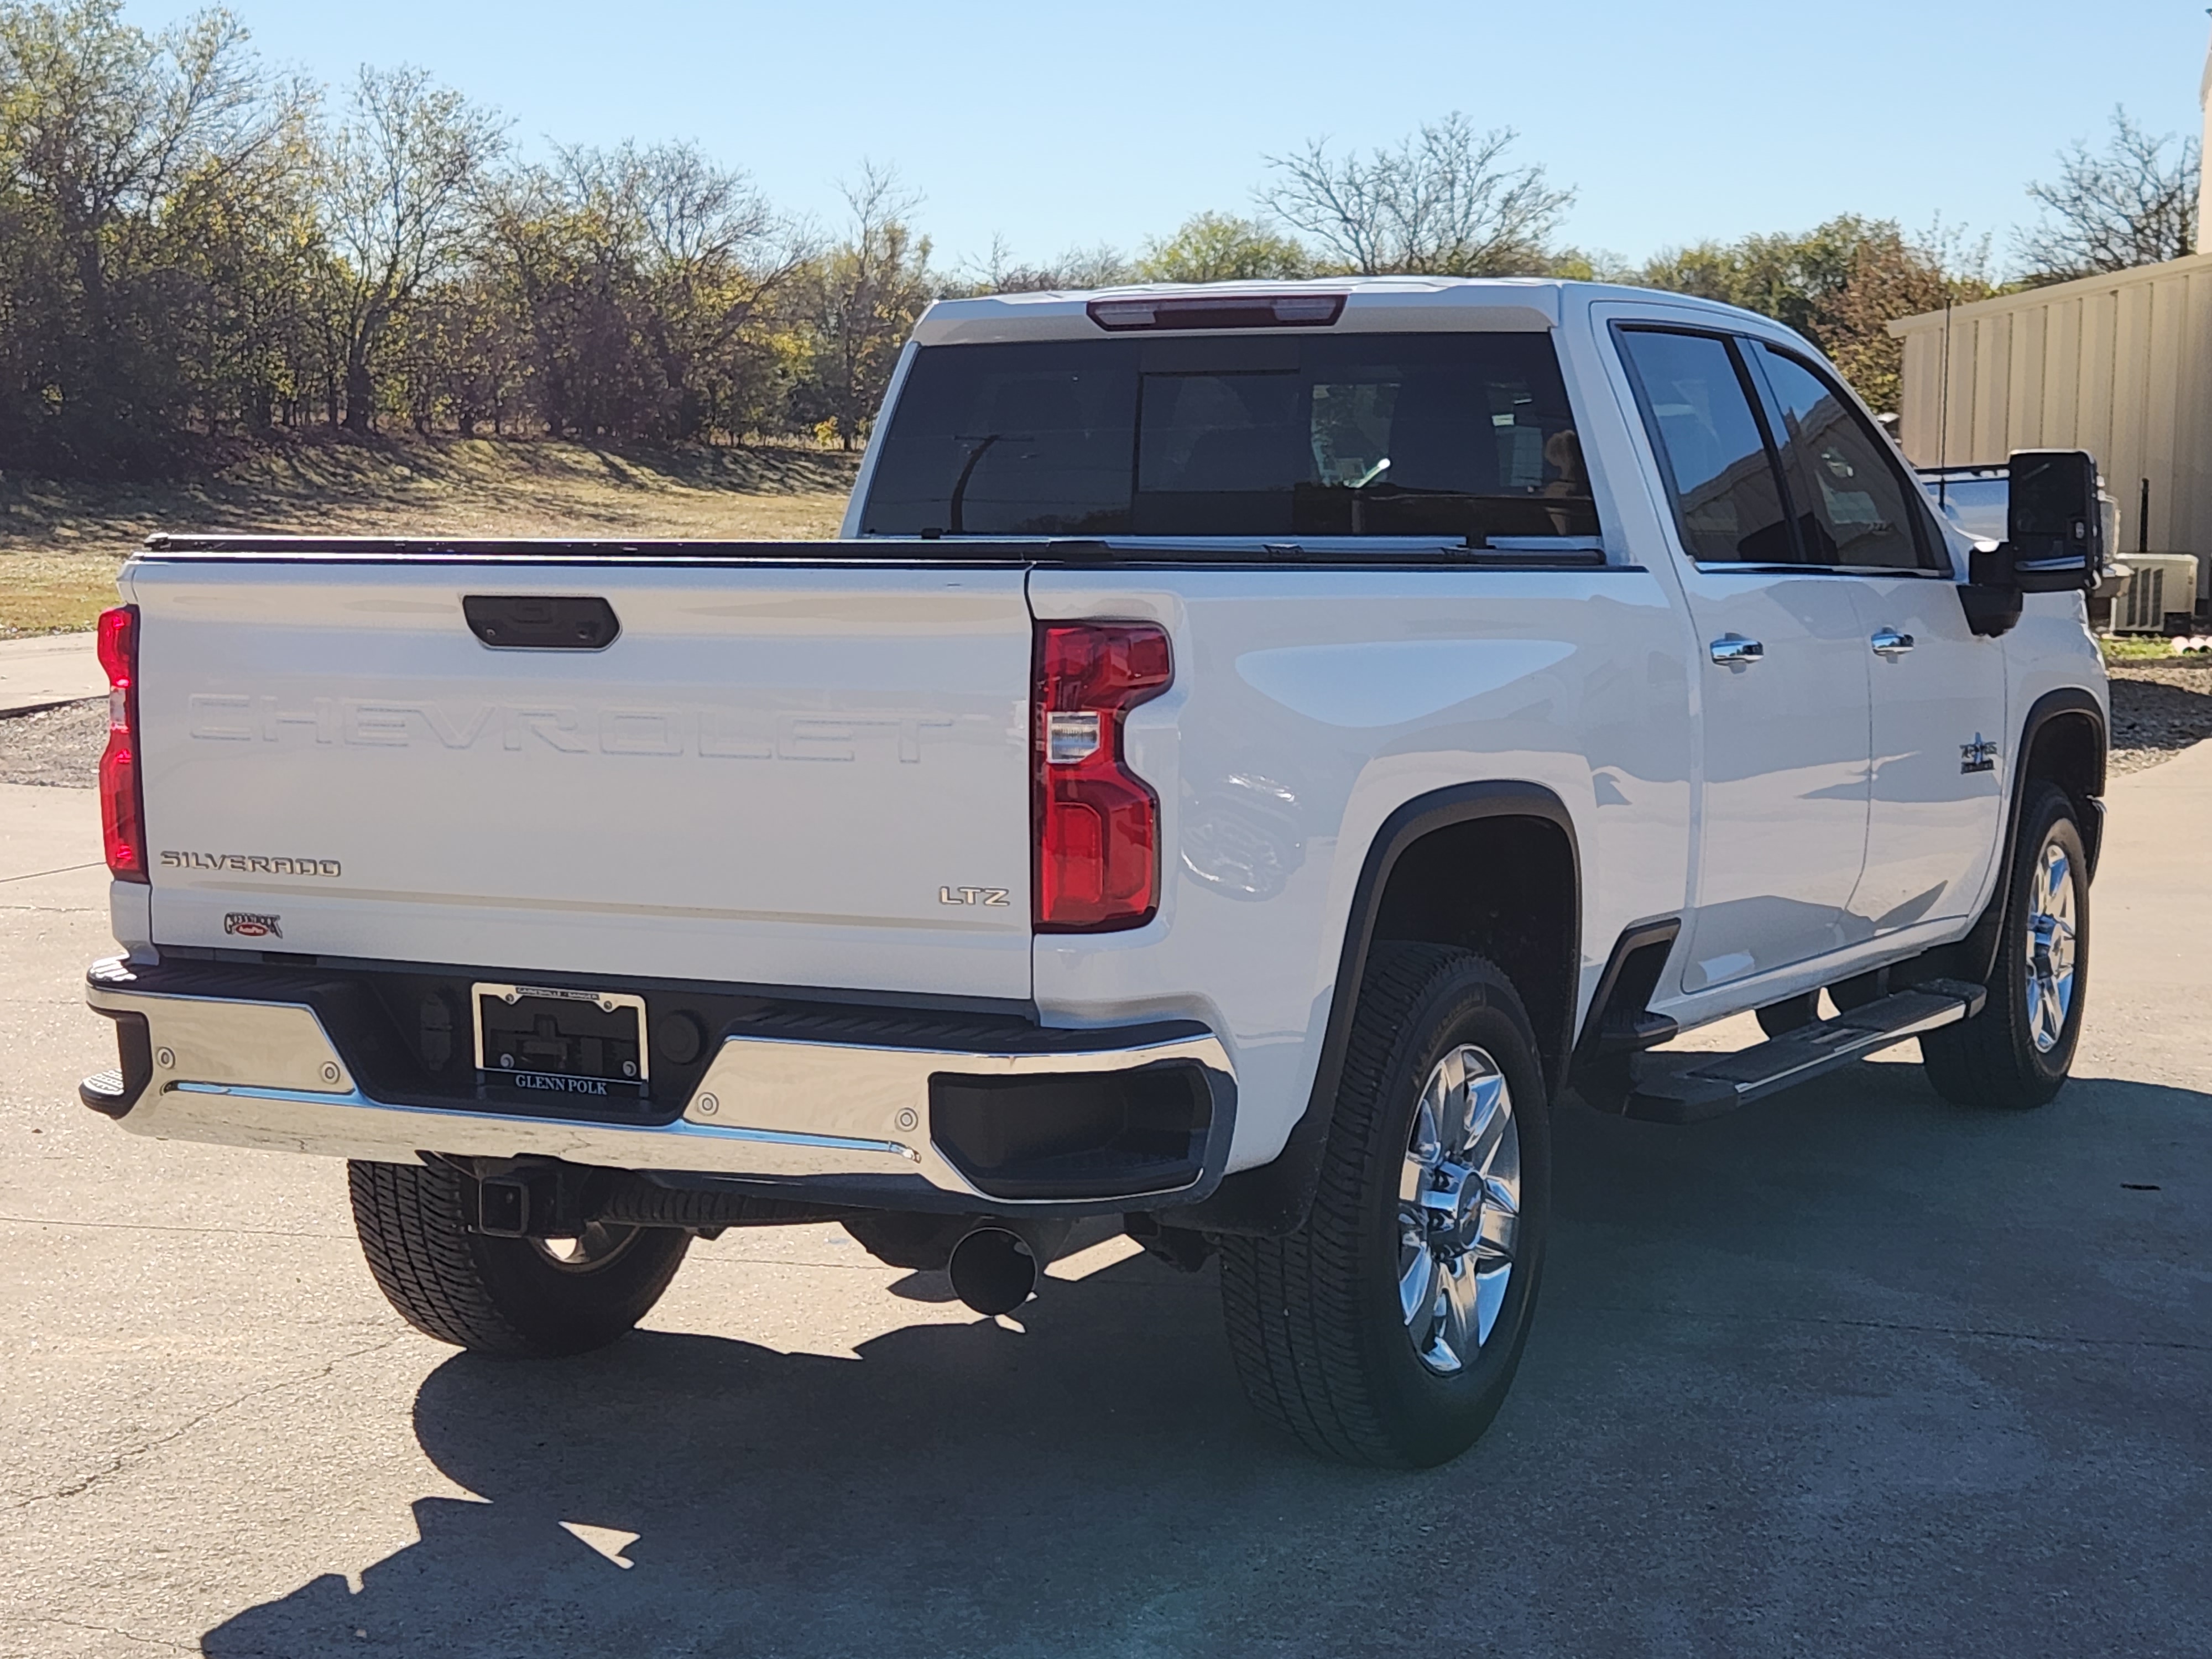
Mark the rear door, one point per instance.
(1938, 710)
(1783, 682)
(775, 775)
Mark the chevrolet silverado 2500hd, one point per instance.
(1252, 751)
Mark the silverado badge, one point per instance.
(258, 863)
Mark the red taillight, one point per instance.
(1097, 822)
(1231, 310)
(122, 805)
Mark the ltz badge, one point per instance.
(992, 895)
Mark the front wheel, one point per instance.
(520, 1297)
(2018, 1051)
(1388, 1328)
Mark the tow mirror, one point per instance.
(2054, 526)
(2054, 538)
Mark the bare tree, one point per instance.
(403, 173)
(1442, 204)
(2114, 209)
(1100, 265)
(874, 284)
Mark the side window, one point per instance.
(1720, 471)
(1853, 508)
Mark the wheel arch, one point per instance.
(1424, 878)
(2063, 740)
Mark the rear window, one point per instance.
(1449, 435)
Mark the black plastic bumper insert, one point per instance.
(1075, 1134)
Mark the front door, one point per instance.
(1784, 674)
(1940, 768)
(1938, 709)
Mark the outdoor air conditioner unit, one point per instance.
(2158, 585)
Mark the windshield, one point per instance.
(1448, 435)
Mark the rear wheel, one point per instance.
(1387, 1330)
(515, 1297)
(2018, 1051)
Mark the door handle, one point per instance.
(1888, 642)
(1735, 651)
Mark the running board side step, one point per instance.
(1688, 1088)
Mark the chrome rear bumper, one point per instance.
(266, 1074)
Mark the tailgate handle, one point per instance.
(534, 622)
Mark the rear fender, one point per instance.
(1274, 1199)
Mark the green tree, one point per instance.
(1838, 285)
(457, 358)
(1214, 247)
(244, 252)
(713, 255)
(403, 176)
(1890, 276)
(107, 130)
(642, 279)
(562, 260)
(1574, 264)
(1783, 275)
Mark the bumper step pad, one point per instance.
(104, 1091)
(1688, 1088)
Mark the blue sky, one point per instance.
(1057, 126)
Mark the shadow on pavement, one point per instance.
(1856, 1371)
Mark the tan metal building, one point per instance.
(2119, 365)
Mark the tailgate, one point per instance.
(773, 775)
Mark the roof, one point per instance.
(1372, 304)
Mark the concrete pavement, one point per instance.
(1854, 1371)
(47, 669)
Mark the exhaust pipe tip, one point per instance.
(994, 1270)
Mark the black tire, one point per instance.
(1791, 1014)
(510, 1297)
(1994, 1059)
(1321, 1343)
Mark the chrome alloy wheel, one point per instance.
(1459, 1210)
(2050, 945)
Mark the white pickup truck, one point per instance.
(1251, 753)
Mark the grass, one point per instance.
(62, 543)
(2128, 647)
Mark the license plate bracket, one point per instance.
(551, 1040)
